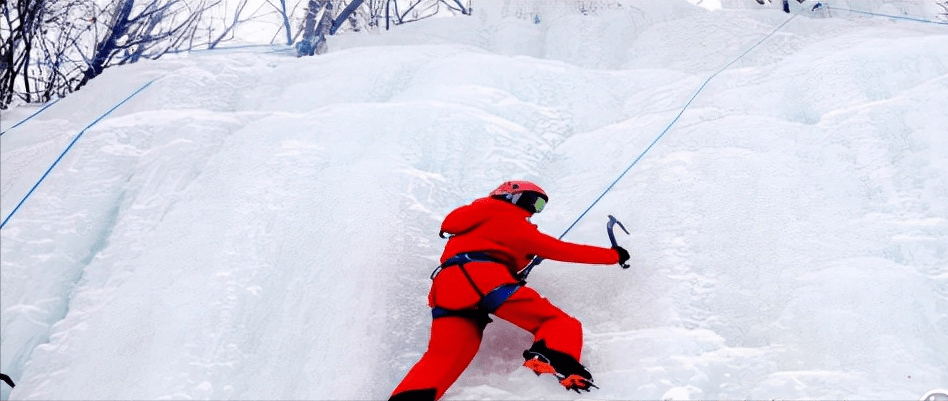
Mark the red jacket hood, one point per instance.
(466, 218)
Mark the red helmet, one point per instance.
(525, 194)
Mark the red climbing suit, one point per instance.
(500, 229)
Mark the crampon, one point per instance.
(540, 365)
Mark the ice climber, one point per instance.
(491, 241)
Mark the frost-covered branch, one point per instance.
(52, 47)
(56, 46)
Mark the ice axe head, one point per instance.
(612, 222)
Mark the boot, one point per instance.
(427, 394)
(571, 374)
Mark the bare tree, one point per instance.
(415, 10)
(64, 25)
(53, 47)
(42, 32)
(228, 30)
(18, 26)
(314, 36)
(284, 19)
(944, 8)
(148, 29)
(373, 12)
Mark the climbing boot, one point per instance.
(427, 394)
(571, 374)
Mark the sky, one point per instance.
(253, 225)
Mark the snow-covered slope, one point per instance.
(257, 226)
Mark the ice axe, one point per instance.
(612, 237)
(610, 228)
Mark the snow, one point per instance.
(258, 226)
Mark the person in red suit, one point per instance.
(491, 241)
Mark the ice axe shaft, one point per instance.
(612, 237)
(610, 228)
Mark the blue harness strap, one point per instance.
(488, 303)
(497, 297)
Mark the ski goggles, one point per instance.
(531, 199)
(539, 204)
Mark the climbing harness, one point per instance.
(488, 303)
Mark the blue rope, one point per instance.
(536, 261)
(63, 154)
(667, 128)
(31, 116)
(277, 48)
(890, 16)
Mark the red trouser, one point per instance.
(455, 340)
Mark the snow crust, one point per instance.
(259, 226)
